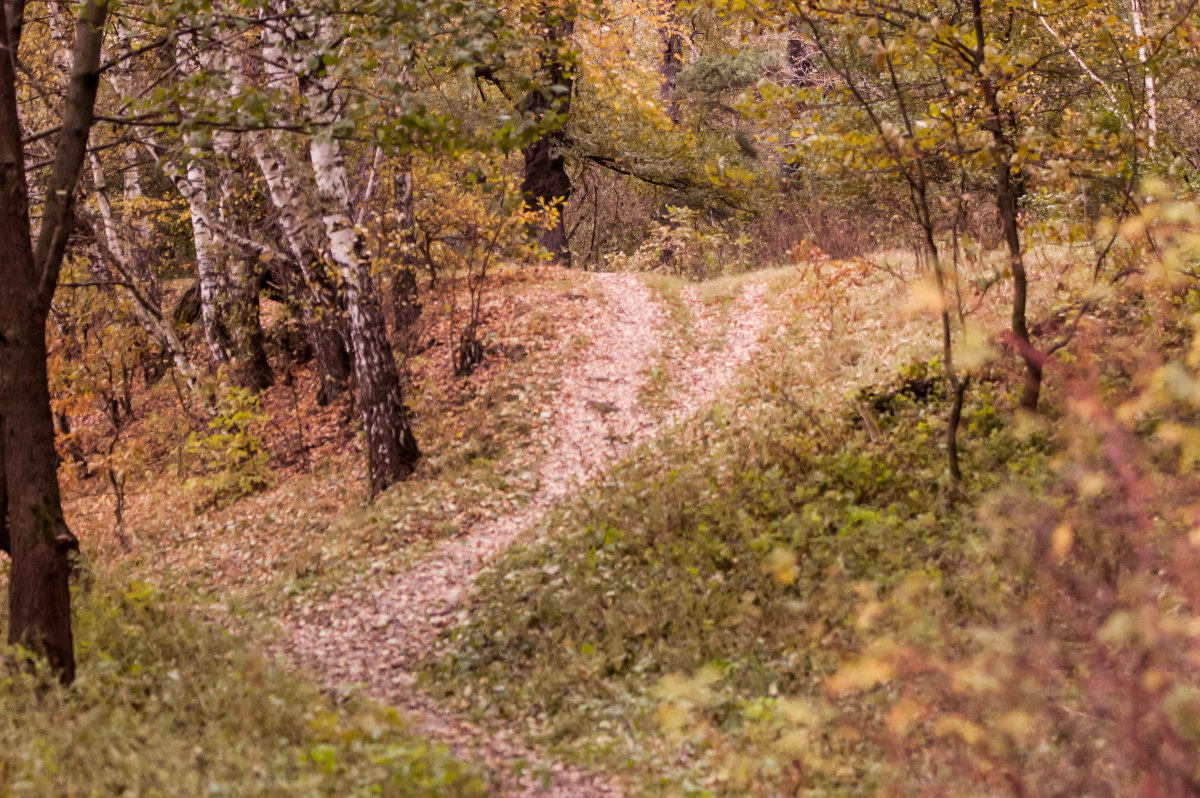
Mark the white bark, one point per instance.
(146, 309)
(1143, 53)
(193, 185)
(1073, 53)
(392, 451)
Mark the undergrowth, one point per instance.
(741, 550)
(166, 703)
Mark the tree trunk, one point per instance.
(251, 367)
(1143, 53)
(212, 287)
(321, 308)
(39, 597)
(320, 311)
(672, 55)
(801, 55)
(1007, 197)
(406, 306)
(392, 451)
(136, 279)
(5, 546)
(545, 184)
(40, 542)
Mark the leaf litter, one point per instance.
(371, 639)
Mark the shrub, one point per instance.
(232, 461)
(167, 704)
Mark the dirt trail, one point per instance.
(376, 640)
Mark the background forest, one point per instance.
(443, 398)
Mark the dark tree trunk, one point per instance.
(40, 542)
(239, 304)
(311, 302)
(39, 597)
(187, 307)
(327, 334)
(251, 368)
(546, 186)
(672, 56)
(801, 55)
(4, 544)
(406, 306)
(1007, 197)
(545, 183)
(330, 355)
(392, 451)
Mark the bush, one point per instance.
(711, 587)
(165, 704)
(232, 461)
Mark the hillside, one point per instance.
(688, 399)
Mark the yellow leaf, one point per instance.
(956, 724)
(793, 742)
(924, 297)
(903, 715)
(868, 614)
(861, 674)
(799, 712)
(1015, 724)
(780, 565)
(672, 718)
(975, 349)
(1061, 540)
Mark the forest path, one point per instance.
(376, 640)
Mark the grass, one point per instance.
(667, 568)
(672, 611)
(167, 703)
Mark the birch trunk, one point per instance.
(211, 283)
(135, 279)
(406, 306)
(392, 451)
(319, 309)
(1143, 54)
(251, 367)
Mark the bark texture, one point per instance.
(392, 451)
(1007, 196)
(406, 307)
(672, 57)
(545, 183)
(801, 55)
(320, 309)
(40, 542)
(133, 274)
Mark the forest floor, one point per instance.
(373, 639)
(591, 380)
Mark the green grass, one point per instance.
(664, 571)
(168, 704)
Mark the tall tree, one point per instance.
(545, 183)
(40, 541)
(672, 56)
(392, 451)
